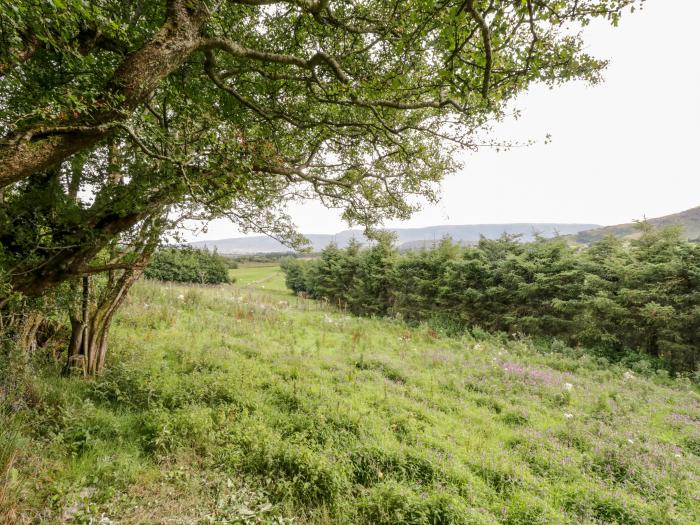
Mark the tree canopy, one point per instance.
(112, 110)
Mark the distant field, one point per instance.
(268, 278)
(258, 264)
(243, 404)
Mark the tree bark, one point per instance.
(27, 330)
(75, 346)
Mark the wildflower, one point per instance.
(568, 415)
(628, 375)
(568, 386)
(181, 297)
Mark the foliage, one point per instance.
(287, 410)
(610, 296)
(231, 262)
(295, 274)
(188, 265)
(112, 109)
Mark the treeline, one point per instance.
(188, 265)
(616, 296)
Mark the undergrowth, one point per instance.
(243, 404)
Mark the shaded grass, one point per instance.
(244, 404)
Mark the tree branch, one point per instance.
(468, 5)
(237, 50)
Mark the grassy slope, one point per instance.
(242, 404)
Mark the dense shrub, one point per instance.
(615, 296)
(295, 274)
(188, 265)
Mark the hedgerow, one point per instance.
(614, 296)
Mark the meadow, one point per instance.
(245, 404)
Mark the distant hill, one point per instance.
(689, 220)
(427, 245)
(406, 238)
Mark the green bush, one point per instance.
(187, 265)
(295, 274)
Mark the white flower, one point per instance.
(677, 455)
(181, 297)
(568, 415)
(628, 375)
(568, 386)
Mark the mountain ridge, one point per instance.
(411, 237)
(426, 237)
(688, 220)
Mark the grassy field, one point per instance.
(263, 278)
(244, 404)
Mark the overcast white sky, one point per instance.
(621, 150)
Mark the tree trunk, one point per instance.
(27, 329)
(75, 347)
(88, 346)
(78, 324)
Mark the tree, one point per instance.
(234, 107)
(373, 285)
(188, 265)
(295, 274)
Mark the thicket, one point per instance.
(615, 296)
(187, 265)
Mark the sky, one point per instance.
(621, 150)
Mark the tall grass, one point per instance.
(241, 404)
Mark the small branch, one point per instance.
(86, 270)
(486, 37)
(237, 50)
